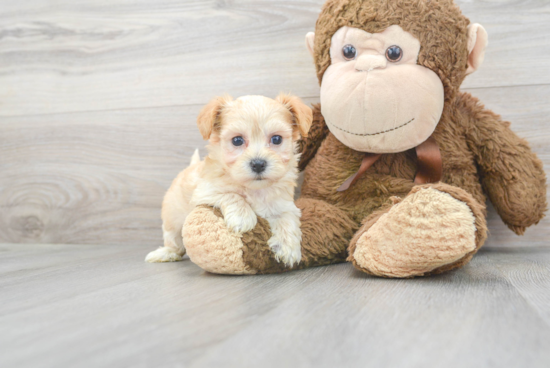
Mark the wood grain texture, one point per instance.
(94, 177)
(67, 55)
(99, 177)
(98, 100)
(90, 306)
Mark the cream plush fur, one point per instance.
(428, 229)
(477, 43)
(226, 180)
(412, 95)
(224, 255)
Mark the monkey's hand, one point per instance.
(308, 147)
(518, 195)
(511, 174)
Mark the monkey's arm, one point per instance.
(317, 133)
(511, 174)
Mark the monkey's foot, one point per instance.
(435, 228)
(211, 245)
(326, 231)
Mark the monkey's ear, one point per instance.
(477, 42)
(210, 114)
(303, 116)
(310, 40)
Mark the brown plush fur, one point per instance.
(477, 209)
(481, 156)
(317, 133)
(318, 248)
(438, 24)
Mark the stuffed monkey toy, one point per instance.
(399, 162)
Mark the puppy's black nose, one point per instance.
(258, 166)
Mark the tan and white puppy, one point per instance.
(251, 170)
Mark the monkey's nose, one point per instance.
(258, 165)
(366, 63)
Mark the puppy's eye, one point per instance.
(394, 53)
(237, 141)
(277, 139)
(349, 52)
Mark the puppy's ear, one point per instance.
(301, 113)
(209, 116)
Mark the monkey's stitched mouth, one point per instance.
(371, 134)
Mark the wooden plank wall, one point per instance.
(98, 100)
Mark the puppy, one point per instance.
(251, 170)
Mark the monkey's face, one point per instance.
(374, 96)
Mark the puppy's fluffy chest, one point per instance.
(265, 202)
(269, 202)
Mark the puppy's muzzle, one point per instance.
(258, 165)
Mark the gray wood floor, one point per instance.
(102, 306)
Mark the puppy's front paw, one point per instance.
(287, 248)
(240, 220)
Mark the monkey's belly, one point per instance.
(391, 175)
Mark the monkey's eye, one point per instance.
(394, 53)
(277, 139)
(349, 52)
(237, 141)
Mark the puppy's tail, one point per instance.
(195, 159)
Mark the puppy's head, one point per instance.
(253, 137)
